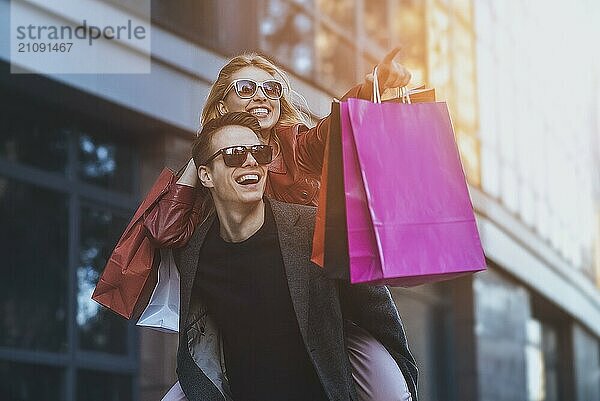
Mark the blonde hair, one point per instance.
(290, 114)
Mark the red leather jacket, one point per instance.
(293, 177)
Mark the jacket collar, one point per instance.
(277, 165)
(189, 256)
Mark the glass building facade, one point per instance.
(77, 154)
(68, 185)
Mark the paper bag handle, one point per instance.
(401, 93)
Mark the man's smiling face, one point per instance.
(234, 185)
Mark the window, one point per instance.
(549, 352)
(336, 60)
(287, 33)
(542, 354)
(66, 192)
(227, 27)
(194, 20)
(427, 313)
(376, 23)
(34, 143)
(335, 43)
(94, 386)
(502, 310)
(28, 382)
(34, 243)
(587, 364)
(97, 327)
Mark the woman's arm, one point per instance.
(310, 142)
(171, 222)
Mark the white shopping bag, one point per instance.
(162, 312)
(175, 394)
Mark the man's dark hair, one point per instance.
(201, 149)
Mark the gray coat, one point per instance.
(321, 305)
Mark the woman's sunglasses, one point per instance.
(247, 88)
(235, 156)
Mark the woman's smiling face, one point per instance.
(266, 110)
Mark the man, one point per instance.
(258, 320)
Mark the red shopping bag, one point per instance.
(126, 281)
(330, 242)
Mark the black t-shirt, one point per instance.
(245, 288)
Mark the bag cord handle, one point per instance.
(402, 92)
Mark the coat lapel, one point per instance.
(293, 241)
(295, 245)
(186, 259)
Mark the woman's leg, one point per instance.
(376, 375)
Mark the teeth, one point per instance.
(260, 111)
(247, 178)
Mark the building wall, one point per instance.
(540, 205)
(539, 149)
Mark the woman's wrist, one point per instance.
(181, 193)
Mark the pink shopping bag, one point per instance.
(408, 213)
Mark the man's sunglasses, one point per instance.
(247, 88)
(235, 156)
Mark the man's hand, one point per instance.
(390, 73)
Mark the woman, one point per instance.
(295, 172)
(252, 83)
